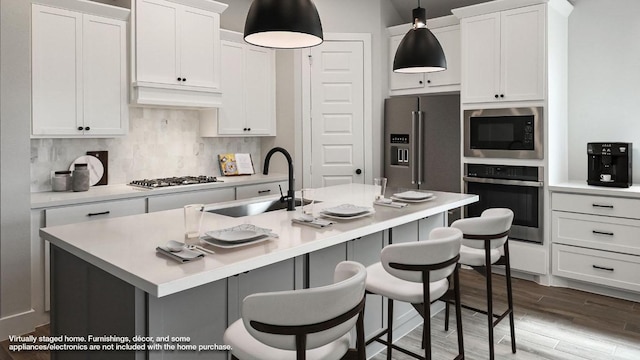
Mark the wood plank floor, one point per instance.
(551, 323)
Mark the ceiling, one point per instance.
(435, 8)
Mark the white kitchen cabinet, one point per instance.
(594, 239)
(267, 189)
(79, 86)
(441, 81)
(178, 200)
(82, 213)
(248, 86)
(177, 53)
(503, 55)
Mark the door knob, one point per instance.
(358, 171)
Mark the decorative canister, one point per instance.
(61, 181)
(80, 177)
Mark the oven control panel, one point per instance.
(527, 173)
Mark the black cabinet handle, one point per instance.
(179, 79)
(245, 129)
(602, 268)
(99, 213)
(264, 191)
(602, 232)
(501, 95)
(496, 96)
(87, 128)
(184, 79)
(248, 129)
(420, 82)
(428, 81)
(603, 206)
(80, 128)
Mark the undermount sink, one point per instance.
(254, 208)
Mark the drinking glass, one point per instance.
(193, 215)
(308, 195)
(380, 187)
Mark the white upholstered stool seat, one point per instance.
(310, 323)
(475, 257)
(380, 282)
(246, 347)
(416, 272)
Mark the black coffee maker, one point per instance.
(609, 164)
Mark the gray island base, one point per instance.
(108, 281)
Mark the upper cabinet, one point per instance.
(503, 55)
(177, 53)
(248, 91)
(79, 70)
(447, 31)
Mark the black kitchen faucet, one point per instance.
(290, 198)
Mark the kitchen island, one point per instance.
(107, 278)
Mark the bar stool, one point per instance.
(483, 237)
(417, 273)
(303, 324)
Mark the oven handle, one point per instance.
(538, 184)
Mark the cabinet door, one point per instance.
(449, 38)
(56, 71)
(322, 264)
(175, 201)
(259, 90)
(269, 189)
(480, 58)
(199, 48)
(523, 53)
(156, 56)
(399, 81)
(231, 114)
(104, 76)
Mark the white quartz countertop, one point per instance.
(125, 246)
(581, 187)
(47, 199)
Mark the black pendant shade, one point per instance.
(419, 51)
(284, 24)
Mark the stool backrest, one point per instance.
(327, 309)
(493, 221)
(443, 245)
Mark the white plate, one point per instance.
(231, 245)
(96, 170)
(414, 201)
(339, 217)
(234, 236)
(347, 210)
(412, 195)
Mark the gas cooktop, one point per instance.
(173, 181)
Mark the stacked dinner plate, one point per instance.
(413, 196)
(236, 236)
(347, 211)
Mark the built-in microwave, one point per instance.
(504, 133)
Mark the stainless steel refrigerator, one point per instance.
(422, 143)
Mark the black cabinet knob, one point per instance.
(80, 128)
(179, 79)
(420, 81)
(501, 95)
(245, 129)
(358, 171)
(184, 79)
(87, 128)
(496, 96)
(248, 129)
(428, 81)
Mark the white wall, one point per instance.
(604, 73)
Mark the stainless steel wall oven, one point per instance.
(504, 133)
(519, 188)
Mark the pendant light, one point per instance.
(283, 24)
(419, 51)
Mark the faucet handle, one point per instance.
(281, 194)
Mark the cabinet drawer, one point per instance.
(597, 232)
(95, 211)
(175, 201)
(596, 205)
(249, 191)
(600, 267)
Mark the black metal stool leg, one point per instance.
(510, 296)
(389, 327)
(456, 289)
(446, 316)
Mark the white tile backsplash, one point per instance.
(160, 143)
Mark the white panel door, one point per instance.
(259, 91)
(104, 76)
(523, 49)
(56, 71)
(449, 38)
(156, 42)
(199, 48)
(400, 81)
(480, 58)
(231, 114)
(337, 113)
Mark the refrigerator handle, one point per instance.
(414, 145)
(420, 153)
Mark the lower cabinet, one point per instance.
(267, 189)
(175, 201)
